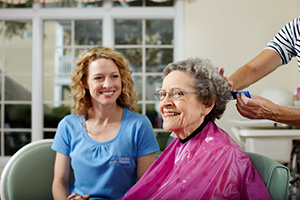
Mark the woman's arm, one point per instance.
(263, 64)
(60, 185)
(144, 162)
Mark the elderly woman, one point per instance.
(204, 162)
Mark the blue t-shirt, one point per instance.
(105, 170)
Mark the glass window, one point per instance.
(72, 4)
(159, 32)
(148, 50)
(71, 39)
(35, 93)
(27, 4)
(128, 32)
(143, 3)
(88, 32)
(16, 82)
(135, 56)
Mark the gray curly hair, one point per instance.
(207, 81)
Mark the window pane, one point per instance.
(56, 88)
(160, 4)
(17, 116)
(143, 3)
(162, 139)
(18, 60)
(157, 59)
(18, 33)
(58, 61)
(57, 33)
(73, 4)
(138, 85)
(93, 4)
(14, 141)
(78, 53)
(153, 83)
(61, 4)
(58, 69)
(1, 29)
(121, 3)
(138, 108)
(134, 56)
(153, 114)
(159, 32)
(54, 113)
(27, 4)
(49, 134)
(88, 32)
(128, 32)
(18, 88)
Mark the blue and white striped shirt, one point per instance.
(287, 42)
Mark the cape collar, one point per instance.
(198, 130)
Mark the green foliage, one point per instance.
(51, 120)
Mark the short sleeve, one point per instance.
(147, 142)
(286, 42)
(61, 141)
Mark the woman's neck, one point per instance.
(104, 114)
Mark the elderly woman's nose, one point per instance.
(167, 100)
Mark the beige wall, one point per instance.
(232, 32)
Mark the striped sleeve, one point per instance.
(287, 42)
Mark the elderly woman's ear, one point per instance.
(208, 108)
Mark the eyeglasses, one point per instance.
(174, 93)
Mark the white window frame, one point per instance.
(107, 13)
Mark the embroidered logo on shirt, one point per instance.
(124, 161)
(113, 159)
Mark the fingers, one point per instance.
(249, 108)
(76, 196)
(73, 195)
(222, 72)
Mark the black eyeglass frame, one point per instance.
(161, 94)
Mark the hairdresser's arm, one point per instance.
(60, 186)
(263, 64)
(143, 163)
(260, 108)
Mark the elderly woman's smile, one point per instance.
(170, 114)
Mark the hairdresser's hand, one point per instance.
(221, 72)
(255, 107)
(76, 196)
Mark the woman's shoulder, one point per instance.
(71, 118)
(130, 113)
(134, 117)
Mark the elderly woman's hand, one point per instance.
(76, 196)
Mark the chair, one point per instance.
(275, 175)
(29, 172)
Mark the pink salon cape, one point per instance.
(208, 166)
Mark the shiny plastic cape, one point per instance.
(208, 166)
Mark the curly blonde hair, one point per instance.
(81, 95)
